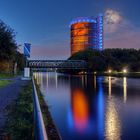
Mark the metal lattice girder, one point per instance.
(70, 64)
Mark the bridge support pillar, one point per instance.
(26, 74)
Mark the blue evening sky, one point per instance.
(45, 23)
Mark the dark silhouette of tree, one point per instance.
(9, 54)
(115, 59)
(8, 46)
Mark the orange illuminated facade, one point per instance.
(86, 33)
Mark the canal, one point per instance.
(86, 107)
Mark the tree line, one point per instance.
(115, 59)
(9, 54)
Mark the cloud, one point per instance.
(112, 19)
(119, 32)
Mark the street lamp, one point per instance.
(109, 71)
(124, 70)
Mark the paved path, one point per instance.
(8, 95)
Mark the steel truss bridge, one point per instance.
(59, 64)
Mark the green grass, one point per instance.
(4, 83)
(20, 123)
(4, 75)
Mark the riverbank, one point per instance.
(114, 74)
(117, 74)
(18, 120)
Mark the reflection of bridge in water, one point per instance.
(59, 64)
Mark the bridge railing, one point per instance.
(40, 131)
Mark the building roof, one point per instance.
(83, 19)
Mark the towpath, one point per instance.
(8, 95)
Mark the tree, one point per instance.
(21, 60)
(8, 46)
(9, 54)
(116, 59)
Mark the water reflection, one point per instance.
(94, 82)
(79, 109)
(109, 85)
(56, 79)
(38, 77)
(112, 123)
(100, 108)
(125, 89)
(47, 80)
(87, 107)
(84, 106)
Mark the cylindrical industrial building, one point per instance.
(86, 33)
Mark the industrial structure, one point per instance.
(86, 33)
(59, 64)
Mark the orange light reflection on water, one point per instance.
(80, 110)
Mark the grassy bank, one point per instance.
(20, 117)
(6, 75)
(20, 123)
(4, 83)
(51, 129)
